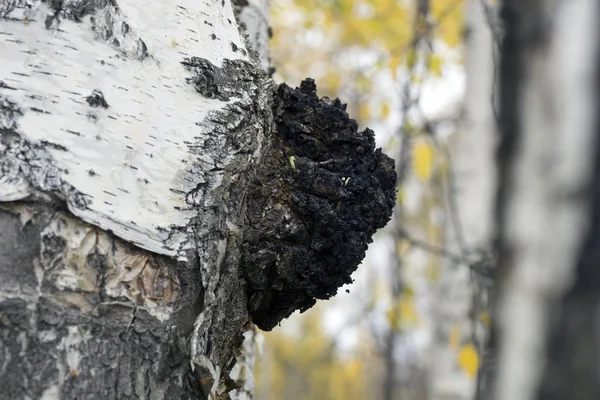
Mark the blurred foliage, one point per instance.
(423, 159)
(344, 44)
(468, 359)
(305, 366)
(364, 52)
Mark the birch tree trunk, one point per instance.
(160, 194)
(461, 295)
(548, 202)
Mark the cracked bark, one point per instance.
(136, 235)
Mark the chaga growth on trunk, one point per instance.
(314, 205)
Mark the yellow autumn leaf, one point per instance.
(484, 317)
(422, 159)
(385, 110)
(393, 317)
(408, 311)
(394, 64)
(402, 247)
(364, 112)
(454, 337)
(333, 81)
(468, 360)
(400, 196)
(450, 21)
(403, 313)
(435, 65)
(411, 58)
(432, 272)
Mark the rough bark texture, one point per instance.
(316, 202)
(76, 316)
(546, 210)
(134, 140)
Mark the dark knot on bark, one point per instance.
(318, 196)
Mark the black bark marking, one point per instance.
(309, 224)
(54, 146)
(234, 79)
(96, 99)
(28, 155)
(142, 50)
(38, 110)
(3, 85)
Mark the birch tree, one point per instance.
(459, 333)
(547, 332)
(161, 195)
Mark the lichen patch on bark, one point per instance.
(79, 257)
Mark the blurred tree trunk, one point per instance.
(461, 297)
(547, 211)
(119, 155)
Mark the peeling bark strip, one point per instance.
(82, 314)
(314, 205)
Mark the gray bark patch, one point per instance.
(32, 160)
(86, 344)
(234, 79)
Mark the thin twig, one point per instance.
(432, 248)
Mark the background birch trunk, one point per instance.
(462, 290)
(547, 331)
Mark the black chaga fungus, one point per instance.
(314, 205)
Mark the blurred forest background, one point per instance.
(399, 66)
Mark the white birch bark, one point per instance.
(96, 114)
(160, 196)
(470, 219)
(131, 57)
